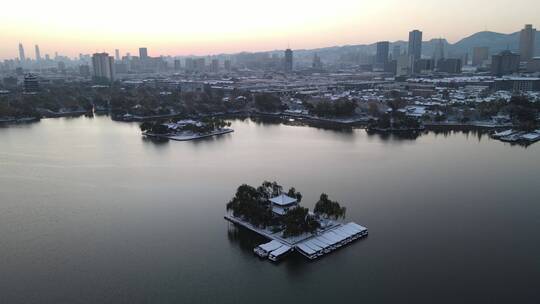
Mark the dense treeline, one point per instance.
(395, 121)
(326, 108)
(268, 103)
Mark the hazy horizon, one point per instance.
(213, 27)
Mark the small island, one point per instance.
(278, 216)
(187, 129)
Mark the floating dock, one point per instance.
(312, 246)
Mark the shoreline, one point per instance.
(189, 137)
(19, 120)
(350, 121)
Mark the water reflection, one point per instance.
(244, 238)
(159, 141)
(390, 136)
(264, 120)
(247, 240)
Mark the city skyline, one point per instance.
(237, 26)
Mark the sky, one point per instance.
(201, 27)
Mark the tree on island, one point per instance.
(298, 221)
(328, 208)
(155, 128)
(270, 189)
(252, 205)
(292, 193)
(207, 125)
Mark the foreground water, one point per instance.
(90, 212)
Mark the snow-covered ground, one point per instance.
(185, 136)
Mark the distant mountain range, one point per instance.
(496, 42)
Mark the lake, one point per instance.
(92, 212)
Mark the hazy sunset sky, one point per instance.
(213, 26)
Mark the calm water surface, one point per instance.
(91, 212)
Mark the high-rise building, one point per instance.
(177, 64)
(438, 53)
(383, 48)
(143, 53)
(61, 67)
(22, 58)
(117, 55)
(396, 52)
(450, 65)
(480, 55)
(424, 65)
(200, 64)
(504, 63)
(31, 83)
(38, 54)
(189, 64)
(533, 66)
(84, 70)
(288, 60)
(403, 65)
(526, 43)
(214, 65)
(415, 44)
(317, 63)
(227, 65)
(103, 66)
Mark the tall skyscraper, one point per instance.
(103, 66)
(62, 67)
(117, 55)
(415, 44)
(189, 64)
(317, 63)
(438, 53)
(22, 58)
(177, 65)
(526, 43)
(214, 66)
(383, 48)
(38, 54)
(143, 53)
(200, 64)
(480, 55)
(396, 52)
(288, 60)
